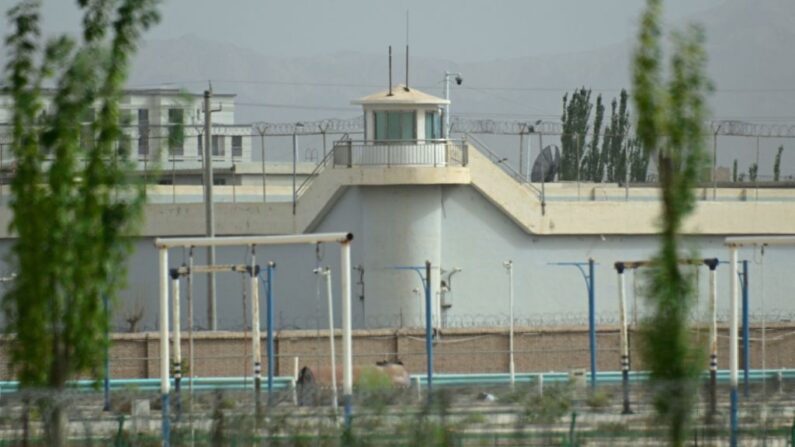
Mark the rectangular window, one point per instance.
(175, 116)
(143, 132)
(200, 146)
(398, 126)
(125, 143)
(218, 145)
(143, 117)
(433, 126)
(176, 135)
(237, 145)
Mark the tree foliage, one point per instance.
(753, 171)
(575, 119)
(608, 154)
(73, 203)
(676, 110)
(777, 164)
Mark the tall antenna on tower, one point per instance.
(390, 71)
(407, 51)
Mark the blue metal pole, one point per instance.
(428, 327)
(733, 418)
(166, 429)
(746, 331)
(592, 320)
(269, 312)
(107, 353)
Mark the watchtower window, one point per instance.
(395, 126)
(433, 125)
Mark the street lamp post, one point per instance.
(458, 80)
(715, 161)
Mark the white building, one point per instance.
(409, 197)
(149, 115)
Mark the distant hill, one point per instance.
(749, 44)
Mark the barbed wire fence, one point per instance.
(745, 155)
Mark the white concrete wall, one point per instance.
(401, 227)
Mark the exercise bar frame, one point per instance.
(164, 244)
(733, 243)
(621, 267)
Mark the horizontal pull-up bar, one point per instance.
(740, 241)
(216, 268)
(622, 265)
(253, 240)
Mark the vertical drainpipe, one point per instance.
(428, 328)
(622, 309)
(713, 336)
(733, 345)
(746, 331)
(269, 316)
(164, 357)
(592, 320)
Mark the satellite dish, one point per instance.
(546, 165)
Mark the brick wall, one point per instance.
(472, 350)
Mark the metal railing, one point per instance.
(348, 153)
(502, 163)
(436, 153)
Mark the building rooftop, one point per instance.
(401, 95)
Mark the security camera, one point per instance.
(459, 80)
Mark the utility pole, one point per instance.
(295, 160)
(261, 129)
(212, 315)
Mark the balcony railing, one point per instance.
(433, 153)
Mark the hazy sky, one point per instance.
(459, 30)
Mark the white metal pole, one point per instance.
(164, 355)
(511, 363)
(212, 318)
(713, 308)
(327, 273)
(446, 129)
(713, 339)
(191, 367)
(733, 323)
(256, 351)
(622, 310)
(175, 322)
(347, 354)
(733, 352)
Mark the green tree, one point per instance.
(753, 170)
(675, 109)
(70, 224)
(618, 145)
(575, 119)
(777, 164)
(734, 171)
(638, 161)
(592, 168)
